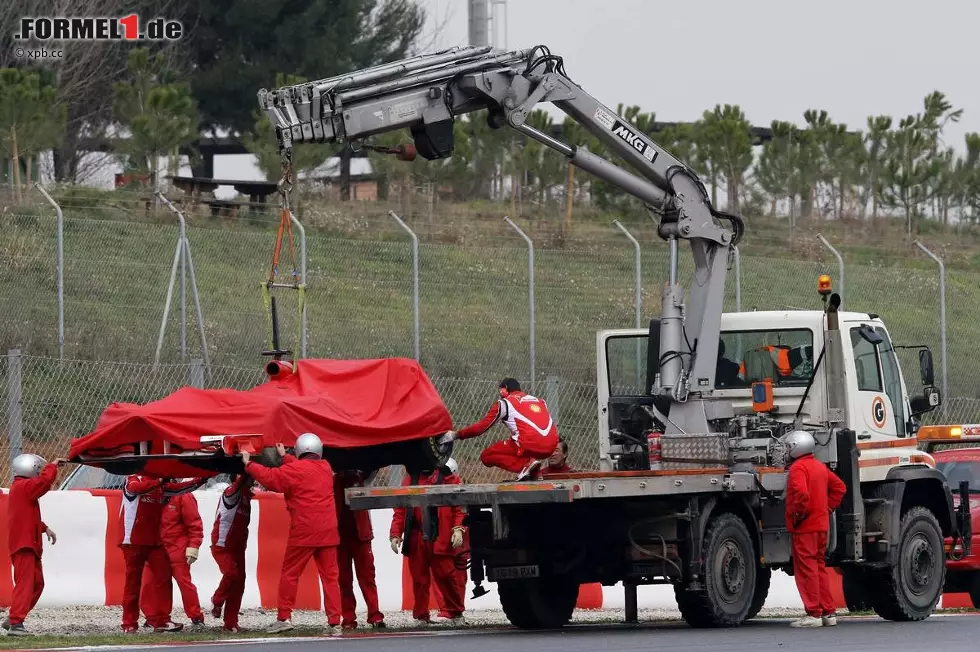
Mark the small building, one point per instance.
(363, 185)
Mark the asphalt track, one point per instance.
(952, 633)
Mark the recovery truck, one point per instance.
(707, 514)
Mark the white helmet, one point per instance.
(28, 465)
(452, 465)
(798, 443)
(308, 443)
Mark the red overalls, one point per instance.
(229, 538)
(180, 528)
(428, 545)
(356, 535)
(24, 530)
(534, 434)
(812, 492)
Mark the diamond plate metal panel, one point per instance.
(695, 451)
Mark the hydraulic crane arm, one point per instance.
(424, 94)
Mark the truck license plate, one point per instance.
(513, 572)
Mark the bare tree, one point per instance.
(84, 74)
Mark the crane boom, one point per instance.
(425, 94)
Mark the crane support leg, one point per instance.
(632, 612)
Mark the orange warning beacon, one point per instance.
(823, 285)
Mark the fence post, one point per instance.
(738, 279)
(183, 289)
(942, 317)
(197, 373)
(15, 426)
(415, 280)
(302, 272)
(61, 271)
(182, 256)
(552, 393)
(530, 288)
(840, 267)
(637, 300)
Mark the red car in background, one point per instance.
(956, 450)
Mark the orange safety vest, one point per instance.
(782, 360)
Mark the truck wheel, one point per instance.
(763, 579)
(911, 590)
(537, 603)
(855, 596)
(729, 581)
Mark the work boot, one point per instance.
(830, 620)
(18, 630)
(531, 467)
(807, 621)
(279, 627)
(168, 628)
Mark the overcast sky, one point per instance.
(774, 58)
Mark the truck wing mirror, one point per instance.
(925, 368)
(929, 401)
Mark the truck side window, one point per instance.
(865, 363)
(893, 379)
(626, 358)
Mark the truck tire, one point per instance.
(537, 603)
(763, 579)
(725, 598)
(855, 595)
(911, 590)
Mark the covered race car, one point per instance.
(368, 413)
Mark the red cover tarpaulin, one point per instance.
(348, 403)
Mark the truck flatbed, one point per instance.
(566, 488)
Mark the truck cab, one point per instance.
(782, 348)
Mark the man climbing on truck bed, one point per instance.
(534, 435)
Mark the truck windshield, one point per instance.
(961, 471)
(745, 357)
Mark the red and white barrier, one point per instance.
(85, 567)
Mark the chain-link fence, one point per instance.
(474, 315)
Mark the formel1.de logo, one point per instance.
(126, 28)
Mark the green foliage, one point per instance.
(239, 47)
(31, 121)
(725, 138)
(158, 112)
